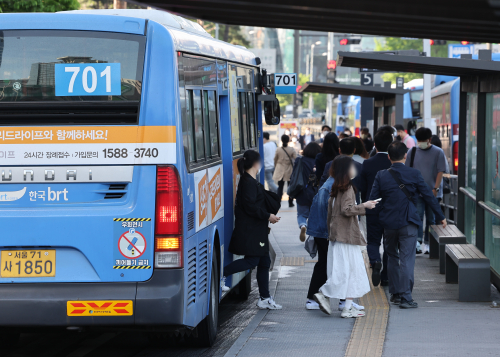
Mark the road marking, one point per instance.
(368, 334)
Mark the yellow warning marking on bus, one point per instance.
(131, 266)
(100, 308)
(131, 219)
(87, 134)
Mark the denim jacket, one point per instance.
(316, 224)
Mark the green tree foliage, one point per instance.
(38, 5)
(396, 43)
(227, 33)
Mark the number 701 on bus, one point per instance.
(87, 79)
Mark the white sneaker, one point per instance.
(312, 305)
(426, 249)
(356, 306)
(352, 312)
(324, 303)
(302, 235)
(268, 303)
(223, 286)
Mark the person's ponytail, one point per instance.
(250, 157)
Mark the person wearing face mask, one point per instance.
(347, 132)
(431, 162)
(283, 166)
(305, 139)
(325, 129)
(295, 144)
(347, 278)
(250, 234)
(366, 138)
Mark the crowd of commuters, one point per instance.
(350, 192)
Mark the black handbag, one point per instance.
(297, 182)
(272, 200)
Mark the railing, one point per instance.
(450, 200)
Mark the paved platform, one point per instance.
(441, 326)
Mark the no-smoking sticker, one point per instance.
(131, 236)
(132, 244)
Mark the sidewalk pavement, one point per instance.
(441, 326)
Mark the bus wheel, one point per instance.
(245, 287)
(207, 329)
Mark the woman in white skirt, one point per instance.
(347, 278)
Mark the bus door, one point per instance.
(205, 189)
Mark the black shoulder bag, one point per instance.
(401, 185)
(412, 156)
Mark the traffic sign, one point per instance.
(366, 79)
(455, 50)
(400, 82)
(285, 83)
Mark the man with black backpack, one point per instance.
(399, 187)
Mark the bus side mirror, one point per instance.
(272, 112)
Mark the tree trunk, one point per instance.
(226, 33)
(119, 4)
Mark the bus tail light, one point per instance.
(168, 222)
(455, 158)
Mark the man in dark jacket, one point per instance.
(399, 217)
(374, 228)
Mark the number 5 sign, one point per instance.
(82, 79)
(285, 83)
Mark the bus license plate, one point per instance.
(28, 263)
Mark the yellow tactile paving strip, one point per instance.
(368, 334)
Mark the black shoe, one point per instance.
(419, 251)
(290, 204)
(384, 283)
(376, 267)
(395, 299)
(405, 304)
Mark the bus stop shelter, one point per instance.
(479, 138)
(388, 103)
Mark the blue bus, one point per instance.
(120, 131)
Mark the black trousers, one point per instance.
(374, 233)
(249, 262)
(281, 184)
(319, 276)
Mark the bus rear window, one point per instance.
(28, 59)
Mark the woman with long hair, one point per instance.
(250, 234)
(283, 166)
(305, 197)
(347, 278)
(360, 154)
(328, 152)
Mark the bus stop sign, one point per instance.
(285, 83)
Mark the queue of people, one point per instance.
(336, 184)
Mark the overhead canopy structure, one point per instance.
(343, 89)
(418, 64)
(477, 20)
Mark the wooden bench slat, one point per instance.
(455, 250)
(476, 252)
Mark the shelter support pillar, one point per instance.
(462, 164)
(399, 109)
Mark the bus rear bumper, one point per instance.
(157, 302)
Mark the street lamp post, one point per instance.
(311, 72)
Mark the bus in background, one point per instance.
(445, 102)
(119, 141)
(349, 113)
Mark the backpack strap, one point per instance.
(400, 184)
(412, 155)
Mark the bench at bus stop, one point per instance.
(467, 266)
(439, 237)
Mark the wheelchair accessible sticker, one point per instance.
(131, 243)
